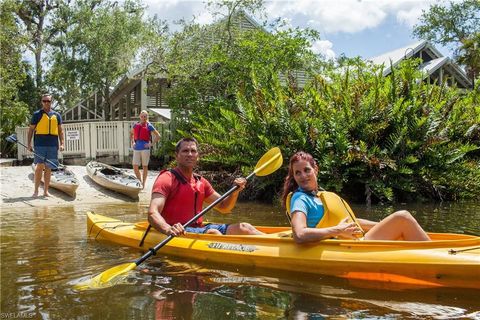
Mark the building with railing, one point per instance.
(104, 141)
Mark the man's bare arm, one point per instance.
(31, 129)
(157, 221)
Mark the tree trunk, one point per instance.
(38, 70)
(106, 101)
(38, 43)
(368, 195)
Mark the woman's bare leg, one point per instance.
(242, 228)
(400, 225)
(145, 175)
(213, 231)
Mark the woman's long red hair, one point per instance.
(290, 185)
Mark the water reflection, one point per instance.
(184, 290)
(44, 249)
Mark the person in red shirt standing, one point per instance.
(141, 141)
(178, 194)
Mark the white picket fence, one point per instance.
(90, 140)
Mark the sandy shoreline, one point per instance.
(16, 189)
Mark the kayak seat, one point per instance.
(336, 209)
(109, 172)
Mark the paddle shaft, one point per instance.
(352, 216)
(270, 162)
(154, 250)
(33, 151)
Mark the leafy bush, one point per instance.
(376, 138)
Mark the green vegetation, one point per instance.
(90, 44)
(13, 76)
(392, 138)
(376, 138)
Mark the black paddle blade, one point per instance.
(12, 138)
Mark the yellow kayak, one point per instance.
(450, 260)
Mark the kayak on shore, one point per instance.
(62, 179)
(449, 260)
(114, 179)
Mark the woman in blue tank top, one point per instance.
(307, 210)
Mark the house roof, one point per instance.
(433, 65)
(393, 58)
(444, 62)
(134, 74)
(251, 20)
(163, 112)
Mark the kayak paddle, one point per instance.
(269, 163)
(13, 139)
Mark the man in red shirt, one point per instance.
(178, 194)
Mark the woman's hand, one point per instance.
(348, 229)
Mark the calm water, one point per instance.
(45, 250)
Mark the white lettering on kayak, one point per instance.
(231, 246)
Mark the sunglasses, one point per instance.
(46, 100)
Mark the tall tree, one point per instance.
(13, 111)
(211, 61)
(34, 15)
(97, 44)
(456, 25)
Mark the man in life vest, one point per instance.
(46, 128)
(178, 195)
(141, 141)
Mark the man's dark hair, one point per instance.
(179, 143)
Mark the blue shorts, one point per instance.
(220, 227)
(50, 153)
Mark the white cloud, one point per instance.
(324, 47)
(205, 17)
(174, 10)
(328, 16)
(349, 16)
(410, 16)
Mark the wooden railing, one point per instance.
(90, 140)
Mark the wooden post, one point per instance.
(87, 142)
(93, 140)
(19, 149)
(143, 97)
(129, 105)
(88, 108)
(120, 108)
(120, 141)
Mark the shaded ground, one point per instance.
(16, 189)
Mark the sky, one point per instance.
(365, 28)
